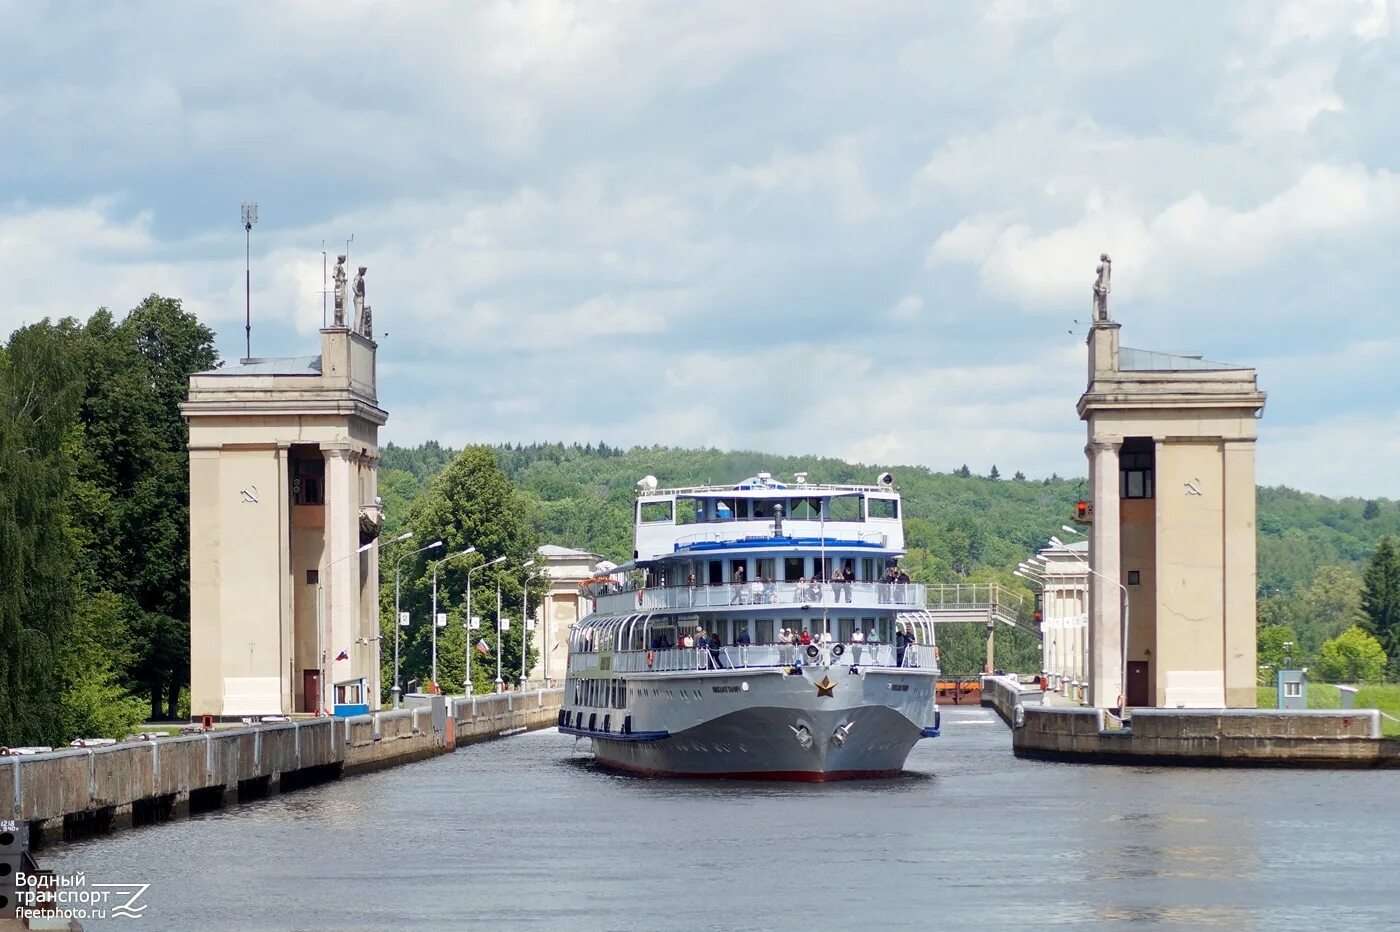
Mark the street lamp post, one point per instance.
(468, 621)
(499, 682)
(436, 564)
(397, 691)
(525, 622)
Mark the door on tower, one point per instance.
(310, 690)
(1137, 684)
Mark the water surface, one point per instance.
(523, 834)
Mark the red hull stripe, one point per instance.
(799, 776)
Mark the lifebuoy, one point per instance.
(650, 657)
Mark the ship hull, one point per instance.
(778, 727)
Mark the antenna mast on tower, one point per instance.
(250, 217)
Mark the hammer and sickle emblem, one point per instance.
(250, 495)
(1193, 487)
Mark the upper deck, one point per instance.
(752, 514)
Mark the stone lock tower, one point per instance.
(1172, 534)
(284, 580)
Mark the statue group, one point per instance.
(364, 321)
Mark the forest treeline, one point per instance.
(1312, 550)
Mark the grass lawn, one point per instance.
(1383, 696)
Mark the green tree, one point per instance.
(1372, 510)
(964, 472)
(1273, 654)
(41, 385)
(1352, 657)
(1330, 605)
(995, 474)
(469, 504)
(94, 702)
(136, 467)
(1380, 599)
(1019, 476)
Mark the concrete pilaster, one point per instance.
(340, 572)
(1240, 576)
(287, 651)
(1105, 598)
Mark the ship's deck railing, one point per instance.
(741, 535)
(757, 656)
(794, 489)
(760, 594)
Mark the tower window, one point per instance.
(308, 482)
(1136, 465)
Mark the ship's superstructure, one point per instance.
(762, 629)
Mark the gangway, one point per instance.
(986, 604)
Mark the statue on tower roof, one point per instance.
(1102, 286)
(360, 299)
(339, 320)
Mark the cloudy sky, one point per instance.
(859, 229)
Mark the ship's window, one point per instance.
(883, 507)
(792, 569)
(843, 508)
(690, 510)
(723, 512)
(763, 569)
(738, 571)
(716, 572)
(654, 512)
(844, 628)
(869, 569)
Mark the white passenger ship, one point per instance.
(741, 564)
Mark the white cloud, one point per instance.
(908, 308)
(712, 224)
(1047, 269)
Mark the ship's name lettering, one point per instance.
(899, 687)
(725, 689)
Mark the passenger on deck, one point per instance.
(716, 652)
(806, 637)
(743, 639)
(857, 643)
(848, 576)
(899, 643)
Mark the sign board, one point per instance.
(1083, 512)
(403, 619)
(505, 623)
(442, 619)
(476, 623)
(529, 624)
